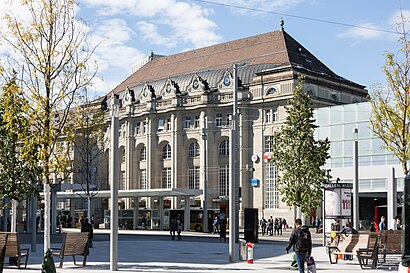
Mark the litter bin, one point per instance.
(251, 225)
(242, 250)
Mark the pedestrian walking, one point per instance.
(301, 241)
(263, 223)
(172, 228)
(216, 225)
(179, 229)
(382, 224)
(270, 226)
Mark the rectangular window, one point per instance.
(269, 144)
(145, 129)
(143, 179)
(271, 115)
(138, 128)
(161, 123)
(166, 178)
(228, 119)
(224, 181)
(267, 116)
(187, 122)
(193, 178)
(271, 187)
(218, 120)
(196, 122)
(123, 181)
(168, 124)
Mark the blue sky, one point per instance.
(130, 29)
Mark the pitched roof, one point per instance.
(276, 47)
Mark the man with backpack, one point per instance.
(301, 241)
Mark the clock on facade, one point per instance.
(255, 158)
(227, 80)
(195, 84)
(168, 89)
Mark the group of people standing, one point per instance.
(273, 226)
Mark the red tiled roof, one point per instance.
(276, 47)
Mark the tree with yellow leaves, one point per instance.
(390, 117)
(52, 58)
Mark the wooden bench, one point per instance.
(390, 243)
(73, 244)
(3, 243)
(348, 245)
(369, 254)
(14, 250)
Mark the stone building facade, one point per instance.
(175, 119)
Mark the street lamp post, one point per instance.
(233, 231)
(205, 176)
(356, 223)
(114, 177)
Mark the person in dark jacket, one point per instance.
(302, 248)
(87, 227)
(173, 228)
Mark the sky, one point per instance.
(128, 30)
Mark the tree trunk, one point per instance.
(47, 211)
(89, 208)
(404, 166)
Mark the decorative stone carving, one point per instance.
(197, 84)
(129, 97)
(170, 88)
(226, 81)
(147, 92)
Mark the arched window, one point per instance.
(166, 151)
(143, 153)
(271, 91)
(193, 150)
(224, 147)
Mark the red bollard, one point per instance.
(250, 246)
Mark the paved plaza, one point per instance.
(154, 251)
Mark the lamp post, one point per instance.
(233, 230)
(356, 223)
(205, 176)
(114, 177)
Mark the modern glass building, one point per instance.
(380, 173)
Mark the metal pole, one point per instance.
(232, 167)
(356, 180)
(33, 223)
(324, 217)
(205, 206)
(114, 175)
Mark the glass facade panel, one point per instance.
(349, 113)
(348, 131)
(322, 117)
(364, 146)
(378, 160)
(336, 149)
(336, 133)
(336, 116)
(379, 184)
(364, 130)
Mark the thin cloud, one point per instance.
(186, 22)
(151, 34)
(368, 32)
(365, 33)
(266, 5)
